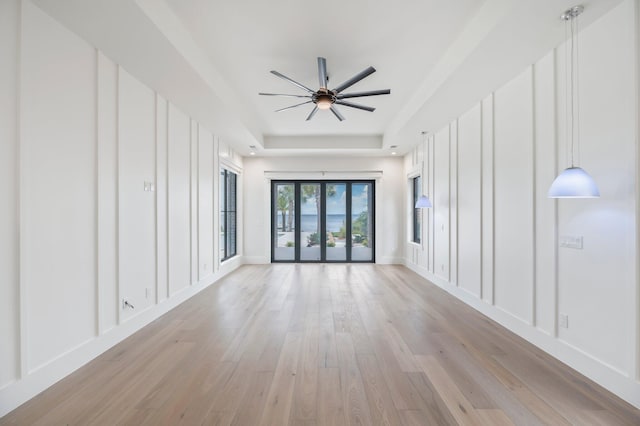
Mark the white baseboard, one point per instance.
(256, 260)
(390, 260)
(606, 376)
(20, 391)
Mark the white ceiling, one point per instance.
(212, 57)
(401, 39)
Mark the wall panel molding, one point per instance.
(162, 198)
(545, 225)
(534, 279)
(193, 201)
(636, 26)
(488, 201)
(431, 173)
(453, 202)
(442, 204)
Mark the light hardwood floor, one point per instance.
(324, 344)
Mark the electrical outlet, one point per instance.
(146, 292)
(564, 321)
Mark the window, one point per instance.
(417, 218)
(228, 214)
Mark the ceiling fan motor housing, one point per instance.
(324, 98)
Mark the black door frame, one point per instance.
(297, 183)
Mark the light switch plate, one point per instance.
(569, 241)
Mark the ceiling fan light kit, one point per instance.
(325, 98)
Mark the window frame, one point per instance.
(229, 212)
(298, 183)
(416, 217)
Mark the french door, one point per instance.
(322, 221)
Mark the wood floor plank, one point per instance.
(330, 407)
(403, 393)
(277, 410)
(458, 405)
(324, 344)
(383, 412)
(493, 417)
(354, 400)
(327, 352)
(306, 386)
(434, 410)
(252, 403)
(412, 418)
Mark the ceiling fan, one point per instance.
(324, 98)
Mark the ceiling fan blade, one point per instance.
(360, 94)
(349, 104)
(284, 77)
(353, 80)
(292, 106)
(335, 112)
(282, 94)
(322, 72)
(313, 112)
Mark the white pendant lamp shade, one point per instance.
(423, 202)
(574, 182)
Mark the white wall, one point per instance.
(9, 224)
(109, 193)
(57, 172)
(206, 214)
(387, 171)
(179, 214)
(488, 173)
(136, 207)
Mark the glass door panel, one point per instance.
(284, 223)
(223, 217)
(310, 215)
(336, 221)
(361, 221)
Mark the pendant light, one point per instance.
(573, 182)
(423, 202)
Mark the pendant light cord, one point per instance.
(577, 90)
(571, 70)
(573, 79)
